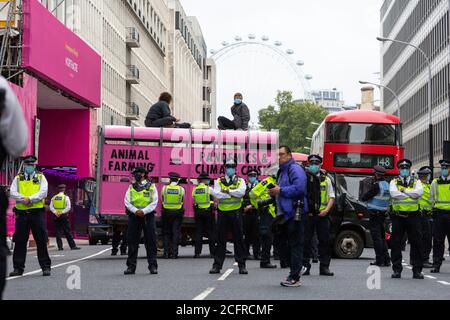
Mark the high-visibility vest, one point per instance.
(408, 204)
(324, 196)
(141, 199)
(441, 194)
(59, 202)
(424, 202)
(173, 197)
(232, 203)
(202, 196)
(260, 192)
(28, 188)
(381, 201)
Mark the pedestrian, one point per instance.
(205, 219)
(119, 239)
(60, 206)
(250, 220)
(13, 141)
(426, 215)
(172, 215)
(241, 116)
(292, 205)
(29, 189)
(141, 200)
(440, 194)
(377, 198)
(159, 114)
(318, 218)
(229, 192)
(405, 194)
(266, 213)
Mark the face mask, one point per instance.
(444, 172)
(237, 101)
(231, 172)
(314, 168)
(404, 173)
(138, 177)
(29, 170)
(252, 180)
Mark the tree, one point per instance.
(292, 119)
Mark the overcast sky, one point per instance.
(335, 39)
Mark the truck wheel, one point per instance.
(348, 245)
(93, 241)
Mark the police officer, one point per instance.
(261, 201)
(378, 200)
(405, 194)
(205, 218)
(440, 194)
(141, 200)
(250, 219)
(229, 191)
(29, 190)
(318, 218)
(172, 215)
(60, 206)
(426, 211)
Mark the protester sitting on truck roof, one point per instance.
(241, 115)
(159, 114)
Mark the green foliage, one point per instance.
(293, 120)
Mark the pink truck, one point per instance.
(188, 152)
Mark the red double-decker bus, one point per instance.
(356, 141)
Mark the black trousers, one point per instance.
(265, 235)
(135, 226)
(426, 222)
(171, 227)
(3, 247)
(322, 226)
(251, 232)
(25, 221)
(62, 225)
(119, 238)
(441, 229)
(205, 224)
(229, 221)
(378, 233)
(291, 245)
(315, 246)
(225, 124)
(2, 274)
(158, 123)
(411, 226)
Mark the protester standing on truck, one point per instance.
(378, 200)
(405, 193)
(159, 114)
(426, 215)
(321, 199)
(241, 116)
(229, 192)
(141, 200)
(172, 215)
(250, 220)
(13, 141)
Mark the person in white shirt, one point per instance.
(229, 192)
(29, 189)
(60, 206)
(405, 192)
(141, 200)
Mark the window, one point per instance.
(363, 133)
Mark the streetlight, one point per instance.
(387, 88)
(430, 120)
(315, 123)
(308, 138)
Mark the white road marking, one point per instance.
(431, 277)
(235, 264)
(444, 282)
(225, 275)
(62, 264)
(204, 294)
(408, 267)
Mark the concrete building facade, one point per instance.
(424, 23)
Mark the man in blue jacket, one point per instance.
(292, 205)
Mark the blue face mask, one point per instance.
(138, 177)
(404, 173)
(237, 101)
(314, 168)
(29, 170)
(444, 172)
(231, 172)
(252, 179)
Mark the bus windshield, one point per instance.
(363, 133)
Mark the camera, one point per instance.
(266, 203)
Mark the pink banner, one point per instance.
(57, 55)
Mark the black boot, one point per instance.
(396, 275)
(267, 266)
(436, 269)
(242, 270)
(46, 272)
(114, 252)
(418, 275)
(129, 271)
(214, 270)
(16, 273)
(153, 270)
(325, 271)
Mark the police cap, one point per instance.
(404, 163)
(379, 169)
(139, 170)
(424, 171)
(444, 163)
(314, 158)
(30, 159)
(174, 175)
(203, 176)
